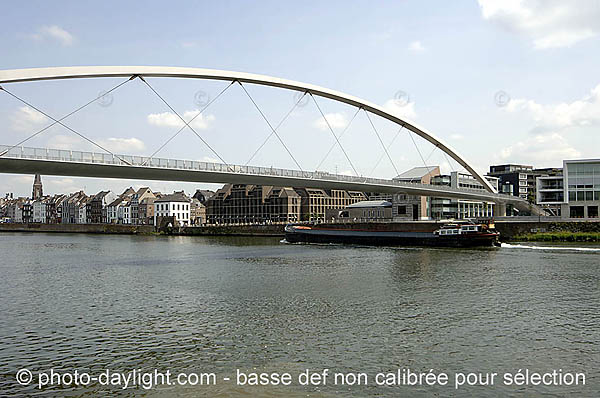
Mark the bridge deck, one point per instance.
(26, 160)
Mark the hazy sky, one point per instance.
(500, 81)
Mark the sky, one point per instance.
(513, 81)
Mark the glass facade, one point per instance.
(583, 180)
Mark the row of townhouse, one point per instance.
(15, 209)
(137, 207)
(25, 210)
(56, 209)
(76, 208)
(146, 207)
(132, 207)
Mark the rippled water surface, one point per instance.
(192, 304)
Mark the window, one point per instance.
(576, 211)
(522, 183)
(592, 211)
(401, 209)
(589, 196)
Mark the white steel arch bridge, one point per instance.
(20, 159)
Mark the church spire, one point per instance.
(38, 191)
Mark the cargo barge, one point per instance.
(448, 235)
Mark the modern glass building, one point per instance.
(582, 188)
(575, 193)
(550, 194)
(460, 209)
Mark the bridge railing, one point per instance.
(65, 155)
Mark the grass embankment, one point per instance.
(560, 237)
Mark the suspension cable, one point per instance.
(418, 151)
(431, 153)
(270, 126)
(276, 128)
(450, 163)
(62, 118)
(339, 136)
(389, 146)
(333, 133)
(445, 156)
(382, 144)
(64, 125)
(185, 125)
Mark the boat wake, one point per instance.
(562, 248)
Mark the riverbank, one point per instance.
(547, 231)
(79, 228)
(560, 237)
(510, 230)
(231, 230)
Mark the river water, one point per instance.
(215, 305)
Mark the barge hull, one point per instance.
(390, 238)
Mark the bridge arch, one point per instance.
(80, 72)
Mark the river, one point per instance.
(198, 305)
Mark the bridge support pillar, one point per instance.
(500, 210)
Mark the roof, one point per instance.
(174, 197)
(370, 203)
(128, 192)
(522, 166)
(288, 192)
(116, 201)
(100, 195)
(142, 190)
(204, 192)
(416, 173)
